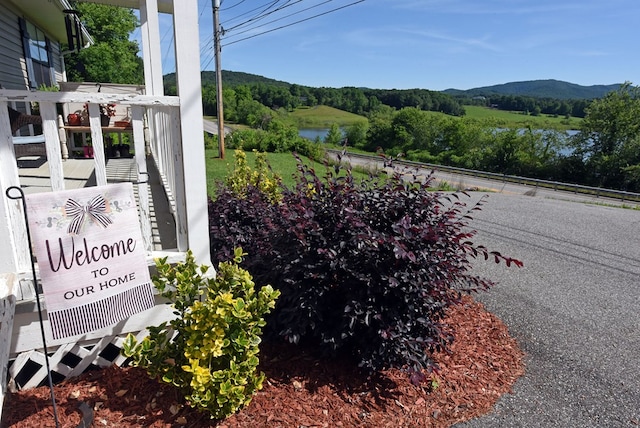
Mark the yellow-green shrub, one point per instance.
(261, 177)
(210, 350)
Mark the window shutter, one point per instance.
(27, 53)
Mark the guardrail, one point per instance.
(554, 185)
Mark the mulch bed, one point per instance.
(301, 390)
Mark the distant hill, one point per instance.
(229, 79)
(540, 89)
(550, 88)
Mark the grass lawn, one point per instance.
(324, 117)
(520, 120)
(217, 169)
(283, 164)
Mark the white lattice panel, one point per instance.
(69, 357)
(28, 370)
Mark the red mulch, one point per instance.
(300, 390)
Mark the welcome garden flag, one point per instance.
(91, 257)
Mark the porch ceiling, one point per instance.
(49, 15)
(46, 14)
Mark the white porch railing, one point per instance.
(156, 128)
(164, 140)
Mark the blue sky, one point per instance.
(427, 44)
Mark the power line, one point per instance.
(264, 15)
(231, 7)
(281, 18)
(204, 6)
(265, 7)
(169, 45)
(205, 50)
(293, 23)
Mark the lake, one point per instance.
(313, 133)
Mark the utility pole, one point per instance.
(216, 45)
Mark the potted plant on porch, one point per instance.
(107, 111)
(88, 150)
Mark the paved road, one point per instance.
(211, 126)
(460, 181)
(574, 308)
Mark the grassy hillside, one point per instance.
(520, 120)
(324, 117)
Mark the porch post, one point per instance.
(194, 180)
(151, 55)
(14, 251)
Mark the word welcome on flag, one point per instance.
(91, 257)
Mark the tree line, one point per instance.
(364, 100)
(354, 100)
(604, 153)
(530, 105)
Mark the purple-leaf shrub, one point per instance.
(366, 268)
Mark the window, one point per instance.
(37, 54)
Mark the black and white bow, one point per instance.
(95, 210)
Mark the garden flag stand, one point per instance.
(35, 286)
(91, 259)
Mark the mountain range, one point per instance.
(548, 88)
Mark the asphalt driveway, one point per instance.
(574, 308)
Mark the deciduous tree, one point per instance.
(608, 140)
(113, 58)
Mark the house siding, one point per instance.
(13, 67)
(13, 70)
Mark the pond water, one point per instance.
(313, 133)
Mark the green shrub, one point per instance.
(276, 139)
(210, 350)
(210, 141)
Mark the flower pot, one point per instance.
(88, 151)
(105, 120)
(74, 119)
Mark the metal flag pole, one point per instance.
(35, 286)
